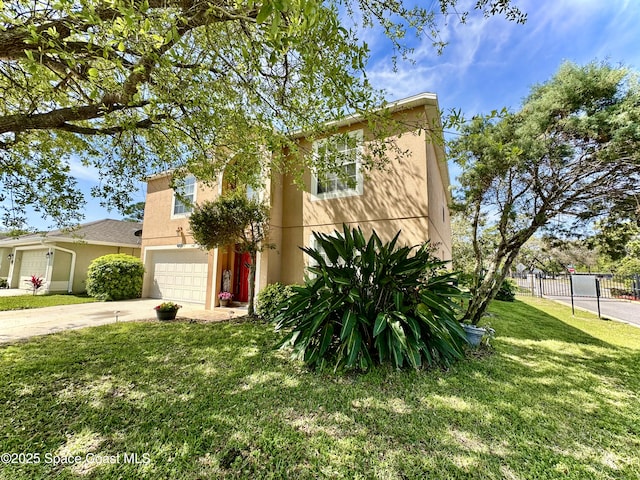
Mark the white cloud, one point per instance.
(432, 72)
(490, 62)
(82, 172)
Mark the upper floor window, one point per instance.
(187, 193)
(344, 151)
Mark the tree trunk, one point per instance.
(489, 286)
(252, 283)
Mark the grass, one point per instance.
(21, 302)
(558, 398)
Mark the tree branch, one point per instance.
(146, 123)
(58, 118)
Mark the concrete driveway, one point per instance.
(18, 324)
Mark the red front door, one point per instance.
(241, 277)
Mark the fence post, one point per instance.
(573, 308)
(598, 296)
(540, 285)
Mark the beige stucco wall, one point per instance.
(439, 216)
(408, 195)
(4, 262)
(159, 226)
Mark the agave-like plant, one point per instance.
(368, 302)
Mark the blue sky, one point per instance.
(489, 63)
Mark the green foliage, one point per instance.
(132, 89)
(507, 291)
(134, 212)
(571, 151)
(4, 283)
(233, 219)
(271, 298)
(228, 220)
(115, 277)
(371, 303)
(628, 266)
(623, 293)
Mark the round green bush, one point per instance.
(115, 277)
(270, 299)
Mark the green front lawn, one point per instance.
(558, 399)
(21, 302)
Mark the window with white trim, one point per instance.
(311, 262)
(346, 152)
(188, 192)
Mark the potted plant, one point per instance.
(225, 298)
(475, 334)
(167, 310)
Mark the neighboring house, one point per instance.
(62, 257)
(411, 194)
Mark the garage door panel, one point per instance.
(180, 275)
(34, 262)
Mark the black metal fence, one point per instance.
(610, 286)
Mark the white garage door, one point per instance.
(34, 262)
(179, 275)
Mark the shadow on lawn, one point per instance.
(217, 401)
(529, 323)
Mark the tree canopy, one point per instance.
(566, 157)
(134, 87)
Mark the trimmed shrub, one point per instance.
(370, 303)
(115, 277)
(270, 298)
(4, 283)
(621, 292)
(507, 292)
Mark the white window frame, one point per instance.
(176, 201)
(348, 192)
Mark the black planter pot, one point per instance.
(168, 315)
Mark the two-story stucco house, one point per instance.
(411, 194)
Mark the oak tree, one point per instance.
(130, 88)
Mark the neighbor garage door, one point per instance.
(34, 262)
(179, 275)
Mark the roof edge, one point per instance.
(420, 99)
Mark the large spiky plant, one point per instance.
(368, 302)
